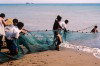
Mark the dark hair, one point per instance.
(66, 21)
(2, 15)
(20, 25)
(15, 21)
(95, 26)
(59, 18)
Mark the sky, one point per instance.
(50, 1)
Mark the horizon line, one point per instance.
(49, 3)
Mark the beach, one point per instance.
(64, 57)
(81, 47)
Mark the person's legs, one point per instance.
(11, 45)
(57, 46)
(8, 42)
(1, 42)
(64, 36)
(14, 48)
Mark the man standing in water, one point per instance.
(2, 32)
(57, 29)
(63, 25)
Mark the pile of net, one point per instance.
(38, 41)
(35, 41)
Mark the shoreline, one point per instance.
(86, 49)
(64, 57)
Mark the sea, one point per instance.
(81, 17)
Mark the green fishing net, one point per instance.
(38, 41)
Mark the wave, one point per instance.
(94, 51)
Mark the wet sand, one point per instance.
(64, 57)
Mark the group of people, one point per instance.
(10, 29)
(61, 26)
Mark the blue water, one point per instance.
(42, 16)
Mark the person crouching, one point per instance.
(12, 34)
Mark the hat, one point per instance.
(9, 21)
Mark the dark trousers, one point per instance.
(1, 42)
(12, 46)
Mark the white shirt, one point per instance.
(12, 32)
(63, 25)
(2, 31)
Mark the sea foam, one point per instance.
(94, 51)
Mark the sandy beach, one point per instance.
(38, 19)
(64, 57)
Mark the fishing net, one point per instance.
(38, 41)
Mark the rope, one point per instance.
(85, 28)
(81, 30)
